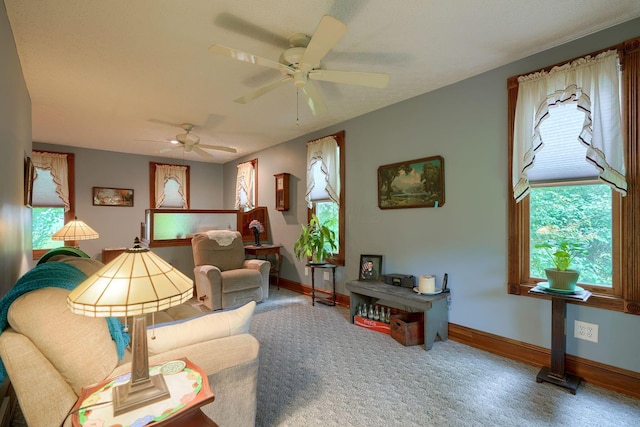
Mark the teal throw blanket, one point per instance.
(59, 275)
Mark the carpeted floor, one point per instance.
(317, 369)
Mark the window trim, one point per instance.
(339, 258)
(71, 213)
(626, 211)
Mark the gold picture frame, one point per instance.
(412, 184)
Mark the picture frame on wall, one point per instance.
(370, 267)
(415, 183)
(29, 176)
(105, 196)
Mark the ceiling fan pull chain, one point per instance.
(297, 107)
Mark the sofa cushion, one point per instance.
(239, 280)
(169, 336)
(79, 347)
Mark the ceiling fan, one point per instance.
(191, 142)
(301, 64)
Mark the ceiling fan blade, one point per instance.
(314, 99)
(201, 151)
(219, 148)
(263, 90)
(329, 31)
(249, 29)
(377, 80)
(250, 58)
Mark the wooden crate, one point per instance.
(408, 328)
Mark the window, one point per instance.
(169, 186)
(247, 185)
(325, 186)
(53, 198)
(585, 199)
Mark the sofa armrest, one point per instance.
(208, 280)
(264, 267)
(41, 405)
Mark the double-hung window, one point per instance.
(169, 186)
(53, 200)
(246, 185)
(325, 186)
(573, 145)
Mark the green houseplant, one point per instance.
(317, 241)
(562, 252)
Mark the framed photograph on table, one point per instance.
(370, 267)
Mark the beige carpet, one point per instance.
(318, 369)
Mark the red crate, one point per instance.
(363, 322)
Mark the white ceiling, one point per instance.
(110, 74)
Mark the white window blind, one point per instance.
(562, 156)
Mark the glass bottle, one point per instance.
(370, 311)
(388, 315)
(376, 313)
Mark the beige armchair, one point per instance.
(224, 278)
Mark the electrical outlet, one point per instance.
(585, 331)
(306, 271)
(326, 276)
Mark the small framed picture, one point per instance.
(370, 267)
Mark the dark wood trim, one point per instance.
(605, 376)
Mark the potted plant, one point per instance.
(317, 241)
(562, 251)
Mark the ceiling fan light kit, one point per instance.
(300, 63)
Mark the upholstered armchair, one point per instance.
(224, 278)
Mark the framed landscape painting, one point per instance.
(412, 184)
(103, 196)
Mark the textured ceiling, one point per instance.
(114, 74)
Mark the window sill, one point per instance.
(603, 301)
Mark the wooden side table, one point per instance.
(556, 373)
(263, 251)
(189, 388)
(327, 301)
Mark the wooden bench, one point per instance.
(434, 307)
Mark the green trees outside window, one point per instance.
(581, 213)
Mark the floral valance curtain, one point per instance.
(165, 173)
(56, 164)
(593, 83)
(323, 153)
(245, 182)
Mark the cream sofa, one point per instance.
(49, 354)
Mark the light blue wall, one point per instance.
(466, 123)
(15, 144)
(118, 226)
